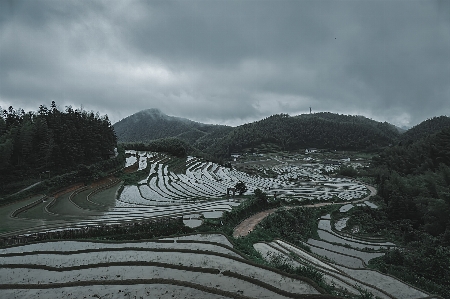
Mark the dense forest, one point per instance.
(320, 130)
(429, 126)
(50, 142)
(414, 184)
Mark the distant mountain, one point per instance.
(403, 129)
(281, 131)
(319, 130)
(152, 124)
(425, 128)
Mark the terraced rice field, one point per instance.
(192, 188)
(201, 180)
(197, 266)
(342, 262)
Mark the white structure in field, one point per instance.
(310, 150)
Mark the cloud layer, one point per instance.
(228, 61)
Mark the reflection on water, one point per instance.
(192, 222)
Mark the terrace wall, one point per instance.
(157, 224)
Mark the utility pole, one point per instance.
(310, 111)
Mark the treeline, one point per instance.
(171, 146)
(50, 141)
(414, 183)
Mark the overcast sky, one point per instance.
(228, 62)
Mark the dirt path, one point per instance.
(246, 226)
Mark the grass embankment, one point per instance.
(177, 165)
(9, 223)
(133, 178)
(139, 231)
(61, 179)
(73, 205)
(106, 197)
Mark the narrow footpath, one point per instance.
(246, 226)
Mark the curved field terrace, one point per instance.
(185, 192)
(196, 265)
(342, 262)
(190, 188)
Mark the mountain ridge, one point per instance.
(427, 127)
(284, 132)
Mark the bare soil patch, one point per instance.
(246, 226)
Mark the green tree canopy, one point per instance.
(241, 188)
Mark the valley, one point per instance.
(234, 213)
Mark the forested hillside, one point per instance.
(429, 126)
(152, 124)
(50, 141)
(414, 183)
(426, 154)
(321, 130)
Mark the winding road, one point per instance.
(246, 226)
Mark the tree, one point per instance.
(6, 149)
(50, 140)
(2, 126)
(241, 188)
(348, 171)
(260, 196)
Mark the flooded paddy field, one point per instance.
(176, 187)
(204, 265)
(185, 262)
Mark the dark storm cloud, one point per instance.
(228, 61)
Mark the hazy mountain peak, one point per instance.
(151, 124)
(155, 113)
(152, 111)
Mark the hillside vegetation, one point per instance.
(414, 183)
(320, 130)
(412, 207)
(152, 124)
(49, 142)
(429, 126)
(172, 146)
